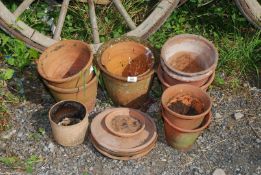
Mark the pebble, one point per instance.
(51, 147)
(238, 115)
(217, 115)
(9, 134)
(219, 171)
(258, 140)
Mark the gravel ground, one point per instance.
(230, 144)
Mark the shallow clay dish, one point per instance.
(124, 122)
(122, 146)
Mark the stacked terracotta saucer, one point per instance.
(123, 133)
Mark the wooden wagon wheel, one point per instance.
(11, 24)
(251, 9)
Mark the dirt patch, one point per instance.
(186, 62)
(125, 124)
(186, 105)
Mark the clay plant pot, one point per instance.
(188, 58)
(69, 122)
(127, 71)
(66, 64)
(165, 85)
(85, 94)
(183, 139)
(185, 105)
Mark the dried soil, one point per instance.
(125, 124)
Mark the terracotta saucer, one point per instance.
(140, 140)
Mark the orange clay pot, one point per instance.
(189, 59)
(85, 94)
(165, 85)
(66, 64)
(71, 135)
(127, 71)
(194, 101)
(183, 139)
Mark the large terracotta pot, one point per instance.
(127, 71)
(85, 94)
(189, 59)
(165, 85)
(185, 105)
(69, 122)
(183, 139)
(66, 64)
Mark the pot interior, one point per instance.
(65, 59)
(186, 105)
(127, 58)
(189, 54)
(68, 113)
(125, 124)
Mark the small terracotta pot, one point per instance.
(66, 64)
(197, 101)
(183, 139)
(188, 58)
(70, 135)
(85, 94)
(127, 70)
(190, 55)
(174, 78)
(165, 85)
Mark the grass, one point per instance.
(15, 162)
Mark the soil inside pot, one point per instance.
(188, 62)
(125, 124)
(68, 113)
(186, 105)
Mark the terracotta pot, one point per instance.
(123, 133)
(127, 70)
(174, 78)
(183, 139)
(185, 105)
(85, 94)
(188, 58)
(61, 114)
(165, 85)
(190, 55)
(66, 64)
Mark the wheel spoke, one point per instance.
(125, 14)
(63, 12)
(22, 7)
(95, 31)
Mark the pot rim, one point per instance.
(199, 38)
(107, 44)
(183, 77)
(72, 90)
(62, 80)
(70, 126)
(188, 117)
(208, 117)
(161, 78)
(126, 111)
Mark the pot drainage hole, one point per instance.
(186, 105)
(125, 124)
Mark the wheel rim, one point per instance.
(37, 40)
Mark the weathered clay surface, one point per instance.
(69, 135)
(189, 95)
(66, 64)
(122, 145)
